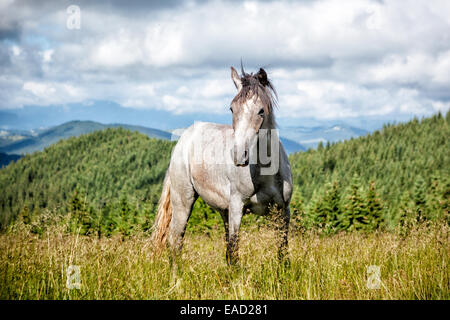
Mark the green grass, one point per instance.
(412, 267)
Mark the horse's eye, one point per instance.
(261, 112)
(231, 109)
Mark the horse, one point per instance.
(233, 168)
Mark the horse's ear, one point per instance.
(262, 77)
(236, 79)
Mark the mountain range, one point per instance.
(22, 141)
(31, 117)
(310, 137)
(19, 133)
(16, 142)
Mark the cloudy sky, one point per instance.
(328, 59)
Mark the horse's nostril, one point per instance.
(241, 159)
(244, 159)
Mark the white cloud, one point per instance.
(48, 93)
(38, 89)
(330, 100)
(327, 59)
(47, 55)
(163, 44)
(172, 103)
(138, 96)
(117, 51)
(440, 106)
(16, 50)
(183, 90)
(415, 67)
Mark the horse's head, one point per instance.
(252, 111)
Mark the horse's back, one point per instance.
(200, 160)
(199, 140)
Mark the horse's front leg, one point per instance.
(235, 213)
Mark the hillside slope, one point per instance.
(44, 138)
(103, 165)
(22, 141)
(407, 163)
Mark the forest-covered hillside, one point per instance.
(403, 169)
(100, 168)
(111, 180)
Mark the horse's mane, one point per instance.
(257, 86)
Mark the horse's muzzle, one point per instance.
(243, 160)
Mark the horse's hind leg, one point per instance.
(224, 215)
(182, 202)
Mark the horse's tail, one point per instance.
(163, 216)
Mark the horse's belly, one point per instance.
(214, 200)
(258, 209)
(261, 202)
(211, 186)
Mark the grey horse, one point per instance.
(234, 168)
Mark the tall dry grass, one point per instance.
(415, 266)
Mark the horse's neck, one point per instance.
(270, 123)
(269, 131)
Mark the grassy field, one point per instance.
(414, 266)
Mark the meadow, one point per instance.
(412, 265)
(370, 220)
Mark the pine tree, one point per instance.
(318, 216)
(125, 213)
(445, 199)
(406, 215)
(313, 217)
(420, 199)
(108, 224)
(298, 213)
(82, 217)
(374, 208)
(320, 146)
(355, 217)
(330, 208)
